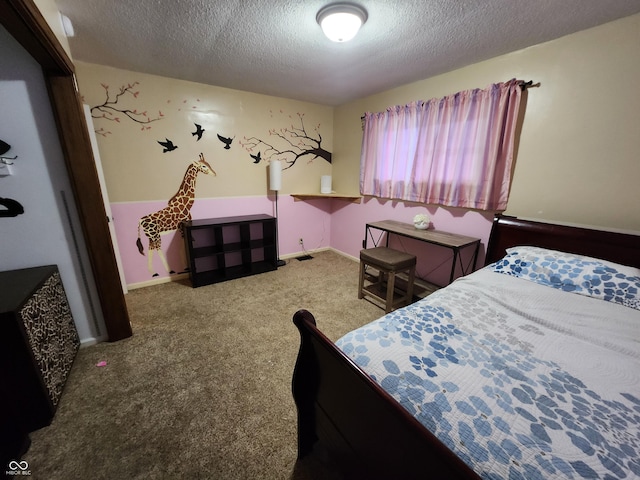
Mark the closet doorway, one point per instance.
(23, 20)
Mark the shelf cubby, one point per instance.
(220, 249)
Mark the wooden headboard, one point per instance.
(509, 231)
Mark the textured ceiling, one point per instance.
(275, 47)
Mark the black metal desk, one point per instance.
(448, 240)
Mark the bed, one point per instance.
(528, 368)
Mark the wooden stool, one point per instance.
(388, 262)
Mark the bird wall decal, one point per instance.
(199, 131)
(256, 158)
(168, 145)
(226, 141)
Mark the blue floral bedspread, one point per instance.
(520, 380)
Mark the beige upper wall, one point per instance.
(580, 144)
(160, 108)
(51, 14)
(579, 155)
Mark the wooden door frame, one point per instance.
(25, 23)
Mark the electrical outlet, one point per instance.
(300, 241)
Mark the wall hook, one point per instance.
(13, 207)
(4, 148)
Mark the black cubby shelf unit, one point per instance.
(220, 249)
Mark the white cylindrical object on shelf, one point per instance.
(325, 184)
(275, 175)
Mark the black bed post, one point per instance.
(304, 387)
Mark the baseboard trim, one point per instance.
(185, 276)
(87, 342)
(157, 281)
(290, 256)
(346, 255)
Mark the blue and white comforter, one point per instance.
(520, 380)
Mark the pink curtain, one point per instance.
(455, 151)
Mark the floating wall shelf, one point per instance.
(310, 196)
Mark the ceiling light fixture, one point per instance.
(341, 21)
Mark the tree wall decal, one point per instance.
(109, 110)
(290, 144)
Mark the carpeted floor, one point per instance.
(203, 388)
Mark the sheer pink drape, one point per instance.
(455, 151)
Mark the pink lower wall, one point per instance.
(321, 223)
(309, 220)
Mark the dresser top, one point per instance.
(18, 285)
(228, 220)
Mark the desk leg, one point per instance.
(475, 256)
(453, 266)
(367, 234)
(456, 255)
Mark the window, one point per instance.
(455, 151)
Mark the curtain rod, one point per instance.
(523, 85)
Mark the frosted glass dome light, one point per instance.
(340, 22)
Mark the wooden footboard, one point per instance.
(366, 432)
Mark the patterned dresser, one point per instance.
(38, 344)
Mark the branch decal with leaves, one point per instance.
(290, 144)
(109, 109)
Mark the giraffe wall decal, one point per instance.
(170, 217)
